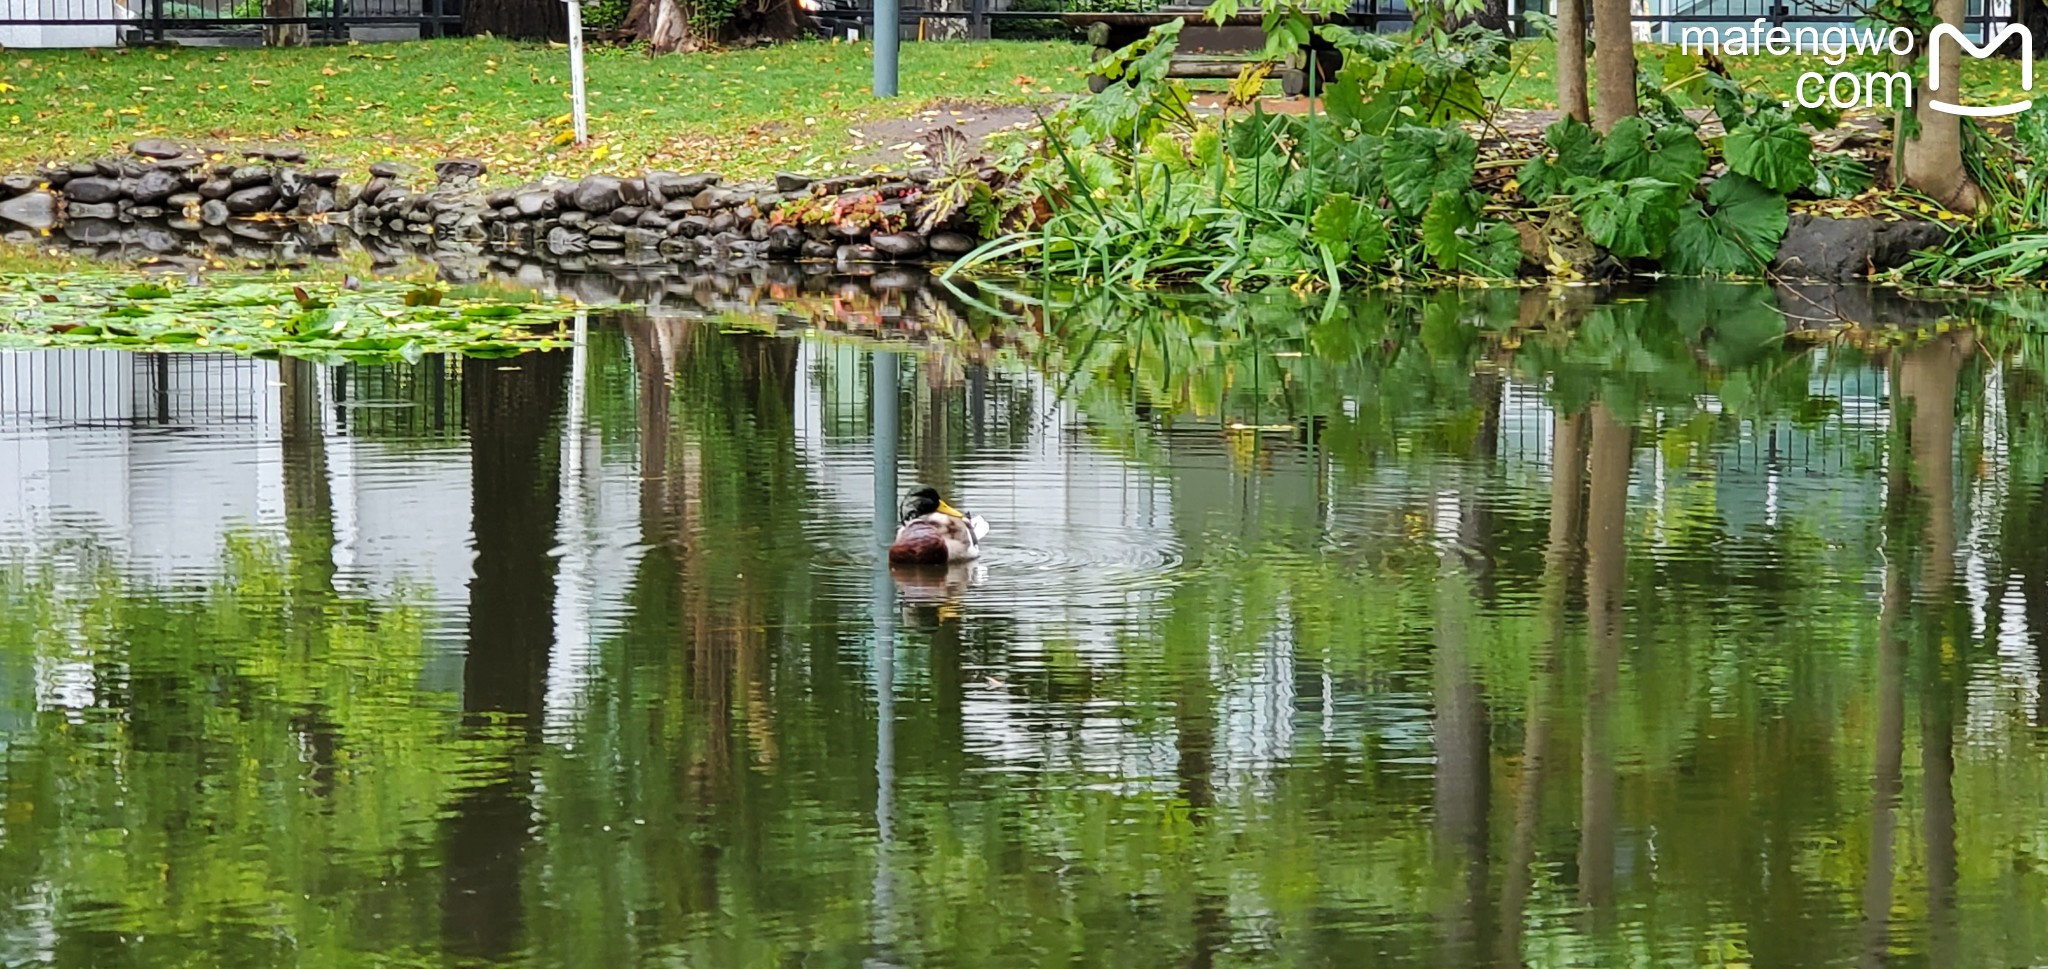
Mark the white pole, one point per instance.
(578, 106)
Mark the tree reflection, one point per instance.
(508, 407)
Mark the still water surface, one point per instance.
(1413, 635)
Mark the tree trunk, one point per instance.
(1492, 14)
(2033, 15)
(1614, 62)
(517, 19)
(1571, 59)
(1607, 476)
(944, 28)
(284, 35)
(1930, 159)
(667, 26)
(660, 24)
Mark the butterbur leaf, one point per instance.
(1277, 252)
(1450, 212)
(1774, 152)
(1576, 150)
(1737, 231)
(1344, 98)
(1699, 249)
(1629, 219)
(1416, 163)
(1351, 231)
(1496, 250)
(1669, 154)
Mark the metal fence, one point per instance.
(114, 388)
(987, 18)
(104, 23)
(1655, 20)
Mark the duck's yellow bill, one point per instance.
(946, 509)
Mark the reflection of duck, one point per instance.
(924, 587)
(932, 595)
(935, 533)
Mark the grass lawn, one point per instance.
(742, 113)
(745, 112)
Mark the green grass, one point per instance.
(743, 113)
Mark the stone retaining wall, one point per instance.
(164, 192)
(167, 197)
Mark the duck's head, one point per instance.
(925, 501)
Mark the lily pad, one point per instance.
(370, 321)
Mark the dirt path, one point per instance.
(892, 141)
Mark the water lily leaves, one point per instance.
(1774, 151)
(374, 321)
(1736, 231)
(142, 291)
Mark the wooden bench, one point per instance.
(1207, 49)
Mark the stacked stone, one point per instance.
(701, 217)
(654, 218)
(187, 188)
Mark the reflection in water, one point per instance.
(1469, 629)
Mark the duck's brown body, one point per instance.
(938, 538)
(920, 542)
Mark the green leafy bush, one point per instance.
(605, 14)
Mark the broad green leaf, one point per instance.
(1496, 250)
(1416, 163)
(1576, 148)
(1450, 212)
(1669, 154)
(1350, 231)
(1737, 231)
(1774, 152)
(1629, 219)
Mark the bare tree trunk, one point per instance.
(1571, 59)
(667, 26)
(944, 28)
(1929, 153)
(284, 35)
(1614, 62)
(661, 24)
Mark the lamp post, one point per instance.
(578, 107)
(886, 44)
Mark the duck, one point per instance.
(934, 532)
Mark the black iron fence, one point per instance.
(1662, 21)
(998, 18)
(78, 23)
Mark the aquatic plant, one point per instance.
(345, 320)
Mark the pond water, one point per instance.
(1414, 633)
